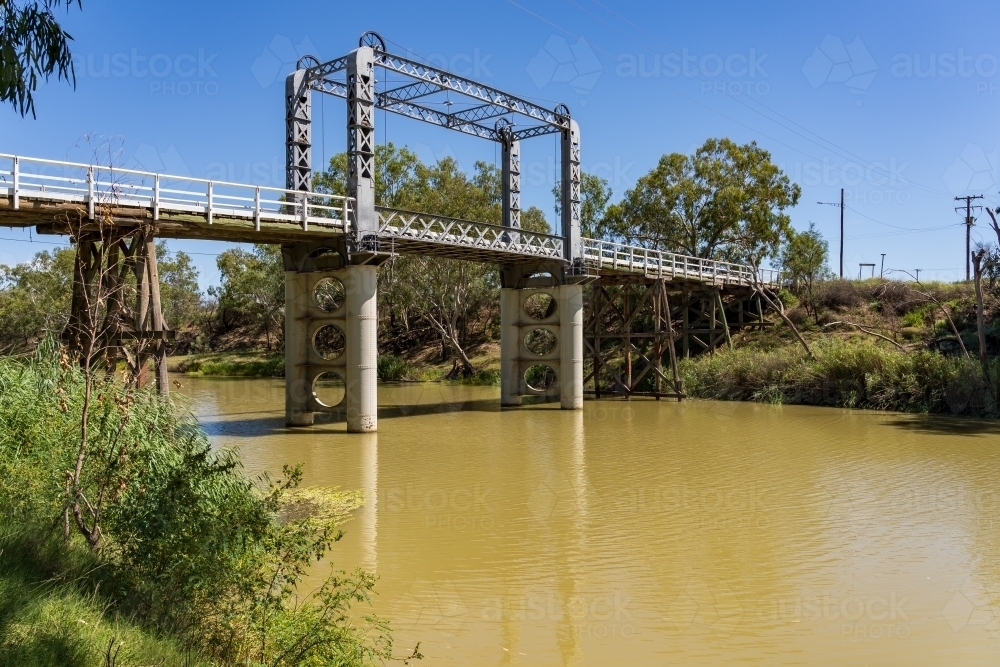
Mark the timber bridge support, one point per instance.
(645, 307)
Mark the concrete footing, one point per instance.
(524, 316)
(331, 335)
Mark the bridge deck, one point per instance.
(58, 196)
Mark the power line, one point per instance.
(968, 199)
(911, 231)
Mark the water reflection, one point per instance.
(652, 533)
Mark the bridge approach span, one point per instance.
(55, 196)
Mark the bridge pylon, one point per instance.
(541, 337)
(331, 334)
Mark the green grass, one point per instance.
(230, 364)
(48, 617)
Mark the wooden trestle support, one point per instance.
(116, 313)
(633, 329)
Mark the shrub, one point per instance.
(788, 299)
(392, 368)
(845, 373)
(838, 295)
(190, 545)
(484, 377)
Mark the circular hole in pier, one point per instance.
(540, 377)
(329, 295)
(540, 306)
(329, 389)
(330, 342)
(540, 342)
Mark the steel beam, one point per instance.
(361, 141)
(511, 175)
(298, 131)
(570, 208)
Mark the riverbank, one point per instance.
(159, 549)
(882, 345)
(850, 371)
(419, 365)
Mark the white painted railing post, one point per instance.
(156, 197)
(256, 208)
(343, 215)
(90, 193)
(208, 208)
(305, 213)
(17, 183)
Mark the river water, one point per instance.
(653, 533)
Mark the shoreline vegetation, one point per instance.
(181, 557)
(877, 345)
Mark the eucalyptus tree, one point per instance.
(33, 47)
(725, 201)
(804, 261)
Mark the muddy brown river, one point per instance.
(653, 533)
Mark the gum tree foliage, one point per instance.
(449, 296)
(33, 47)
(179, 291)
(726, 201)
(595, 193)
(35, 295)
(252, 289)
(35, 298)
(804, 259)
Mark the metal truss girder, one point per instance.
(330, 87)
(481, 112)
(476, 237)
(435, 117)
(324, 70)
(469, 88)
(412, 91)
(535, 131)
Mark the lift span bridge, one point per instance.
(114, 216)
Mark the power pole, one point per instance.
(841, 205)
(968, 199)
(881, 271)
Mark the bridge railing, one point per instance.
(410, 225)
(661, 264)
(96, 186)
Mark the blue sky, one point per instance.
(896, 102)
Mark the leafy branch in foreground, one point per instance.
(33, 47)
(190, 546)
